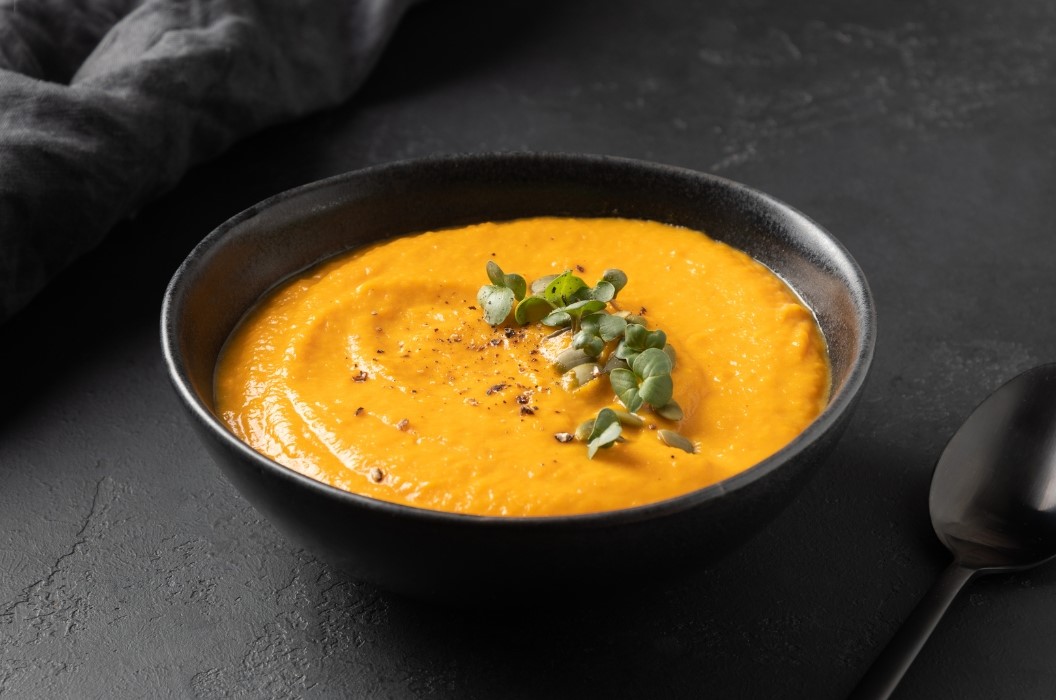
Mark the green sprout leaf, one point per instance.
(625, 385)
(588, 343)
(633, 342)
(669, 350)
(495, 274)
(517, 284)
(591, 323)
(651, 363)
(496, 302)
(561, 290)
(603, 291)
(656, 339)
(616, 278)
(556, 318)
(532, 310)
(656, 391)
(605, 432)
(584, 293)
(570, 314)
(625, 353)
(647, 381)
(586, 306)
(611, 327)
(497, 298)
(578, 309)
(597, 329)
(635, 336)
(539, 286)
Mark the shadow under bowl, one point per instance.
(475, 559)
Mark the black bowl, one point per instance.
(475, 559)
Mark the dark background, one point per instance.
(921, 134)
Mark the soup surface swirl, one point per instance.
(375, 371)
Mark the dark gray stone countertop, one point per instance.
(921, 134)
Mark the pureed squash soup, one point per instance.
(378, 372)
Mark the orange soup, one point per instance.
(376, 371)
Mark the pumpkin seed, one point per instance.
(567, 359)
(629, 419)
(671, 410)
(580, 375)
(673, 439)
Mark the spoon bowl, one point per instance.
(993, 495)
(992, 503)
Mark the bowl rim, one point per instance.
(840, 402)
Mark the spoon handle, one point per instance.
(886, 672)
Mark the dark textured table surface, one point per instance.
(922, 134)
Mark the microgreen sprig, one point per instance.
(637, 339)
(596, 331)
(572, 299)
(605, 433)
(497, 298)
(647, 381)
(639, 362)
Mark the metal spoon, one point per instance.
(992, 503)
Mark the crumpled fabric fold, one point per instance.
(105, 104)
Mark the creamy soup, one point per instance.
(376, 371)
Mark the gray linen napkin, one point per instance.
(104, 104)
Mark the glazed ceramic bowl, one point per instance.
(466, 558)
